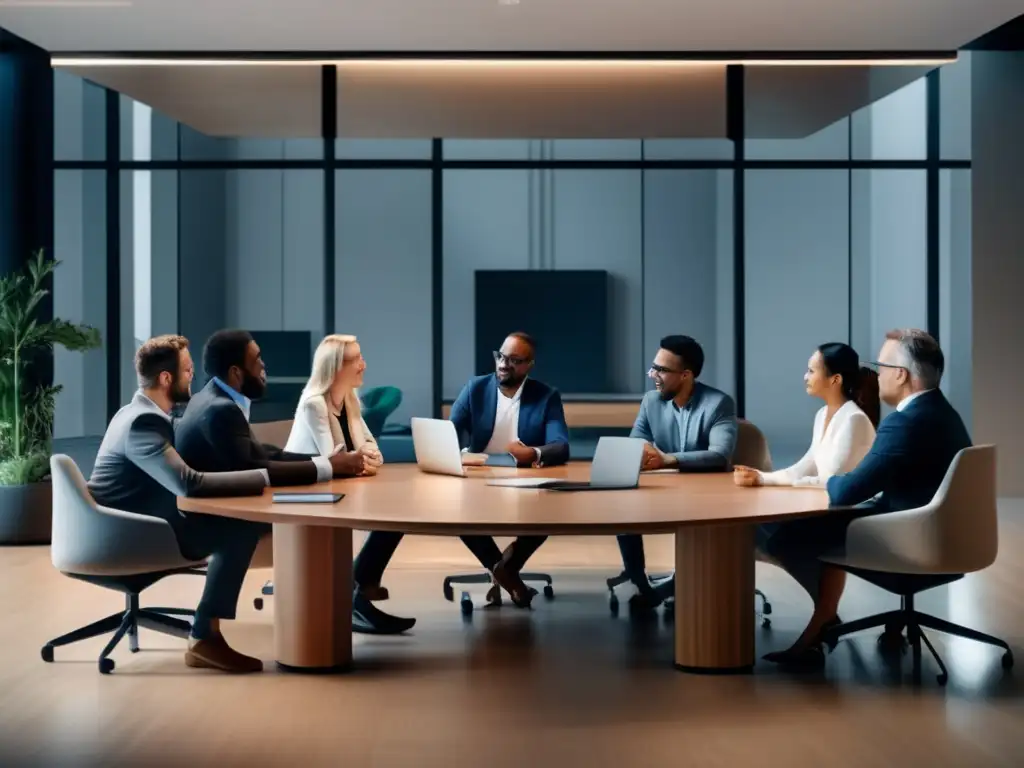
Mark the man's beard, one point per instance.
(510, 379)
(180, 394)
(253, 387)
(665, 394)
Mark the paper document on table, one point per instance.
(522, 482)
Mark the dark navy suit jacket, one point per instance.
(911, 454)
(541, 418)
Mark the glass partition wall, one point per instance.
(760, 249)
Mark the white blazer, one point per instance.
(316, 432)
(834, 451)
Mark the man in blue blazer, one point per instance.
(912, 451)
(507, 412)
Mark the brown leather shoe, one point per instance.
(214, 653)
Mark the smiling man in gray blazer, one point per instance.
(689, 427)
(138, 470)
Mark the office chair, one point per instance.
(378, 403)
(909, 552)
(751, 451)
(116, 550)
(494, 593)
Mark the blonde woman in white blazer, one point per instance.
(329, 419)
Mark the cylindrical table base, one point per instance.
(313, 598)
(714, 610)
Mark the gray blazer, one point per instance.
(138, 470)
(701, 434)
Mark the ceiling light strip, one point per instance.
(83, 61)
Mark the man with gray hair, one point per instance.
(912, 451)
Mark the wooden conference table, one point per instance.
(713, 521)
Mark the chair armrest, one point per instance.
(112, 542)
(898, 542)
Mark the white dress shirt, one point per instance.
(506, 421)
(834, 450)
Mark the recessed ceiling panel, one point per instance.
(489, 26)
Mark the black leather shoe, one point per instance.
(644, 602)
(367, 619)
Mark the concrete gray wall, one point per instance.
(997, 268)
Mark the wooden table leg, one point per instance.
(313, 598)
(714, 622)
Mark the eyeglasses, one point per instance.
(510, 359)
(660, 369)
(876, 364)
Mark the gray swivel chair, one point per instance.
(751, 451)
(117, 550)
(908, 552)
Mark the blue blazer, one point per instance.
(911, 454)
(541, 418)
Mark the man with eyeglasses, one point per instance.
(689, 427)
(508, 413)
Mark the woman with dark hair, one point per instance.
(844, 428)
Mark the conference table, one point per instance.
(712, 519)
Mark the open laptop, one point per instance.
(436, 445)
(616, 467)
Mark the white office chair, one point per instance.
(116, 550)
(908, 552)
(751, 451)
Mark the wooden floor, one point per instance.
(560, 684)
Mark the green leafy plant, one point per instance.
(26, 403)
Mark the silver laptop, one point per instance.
(436, 446)
(616, 467)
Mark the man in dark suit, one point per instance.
(912, 451)
(506, 412)
(214, 435)
(138, 470)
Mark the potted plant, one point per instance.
(26, 403)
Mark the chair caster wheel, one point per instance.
(613, 605)
(134, 650)
(941, 678)
(766, 609)
(449, 593)
(257, 603)
(47, 654)
(106, 666)
(1007, 660)
(466, 604)
(766, 623)
(549, 592)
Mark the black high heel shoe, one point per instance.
(811, 656)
